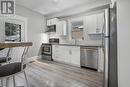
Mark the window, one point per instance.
(12, 32)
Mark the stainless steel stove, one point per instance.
(47, 49)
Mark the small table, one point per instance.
(15, 44)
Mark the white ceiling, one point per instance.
(47, 7)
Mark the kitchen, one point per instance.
(71, 42)
(68, 38)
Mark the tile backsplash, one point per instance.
(95, 38)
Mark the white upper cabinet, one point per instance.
(52, 21)
(91, 21)
(61, 28)
(95, 23)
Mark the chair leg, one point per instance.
(7, 82)
(14, 83)
(26, 79)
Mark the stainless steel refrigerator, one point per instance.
(110, 48)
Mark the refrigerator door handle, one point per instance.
(106, 46)
(106, 49)
(107, 23)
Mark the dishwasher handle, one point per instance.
(88, 48)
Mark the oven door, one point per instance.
(46, 50)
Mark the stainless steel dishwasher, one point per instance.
(89, 57)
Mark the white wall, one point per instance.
(36, 26)
(123, 42)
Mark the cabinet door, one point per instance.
(64, 25)
(75, 55)
(66, 54)
(61, 28)
(60, 53)
(100, 22)
(91, 24)
(54, 21)
(48, 22)
(55, 52)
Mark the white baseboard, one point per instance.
(28, 60)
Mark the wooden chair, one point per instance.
(12, 69)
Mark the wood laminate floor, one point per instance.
(43, 73)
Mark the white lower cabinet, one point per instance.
(75, 55)
(66, 54)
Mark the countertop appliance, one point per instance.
(51, 28)
(110, 48)
(89, 58)
(47, 49)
